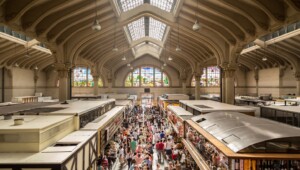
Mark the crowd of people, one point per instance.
(145, 132)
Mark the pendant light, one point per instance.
(36, 68)
(196, 26)
(115, 49)
(165, 64)
(27, 53)
(264, 57)
(131, 68)
(16, 65)
(178, 49)
(124, 57)
(170, 57)
(96, 26)
(128, 65)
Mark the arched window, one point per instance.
(82, 77)
(147, 76)
(209, 78)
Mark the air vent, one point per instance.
(229, 139)
(201, 120)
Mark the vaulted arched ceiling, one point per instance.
(64, 26)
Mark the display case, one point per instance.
(235, 141)
(284, 114)
(176, 116)
(106, 126)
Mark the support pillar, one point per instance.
(229, 86)
(223, 86)
(197, 87)
(35, 79)
(63, 84)
(256, 80)
(184, 87)
(109, 84)
(95, 79)
(297, 76)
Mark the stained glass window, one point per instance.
(100, 83)
(210, 77)
(158, 78)
(166, 80)
(136, 77)
(82, 77)
(147, 77)
(128, 80)
(213, 76)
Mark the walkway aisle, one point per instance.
(137, 139)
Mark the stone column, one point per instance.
(256, 77)
(96, 79)
(35, 79)
(229, 85)
(297, 76)
(184, 87)
(109, 85)
(197, 87)
(63, 84)
(223, 85)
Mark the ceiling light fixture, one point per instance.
(264, 59)
(36, 68)
(178, 49)
(96, 26)
(128, 65)
(27, 53)
(16, 65)
(196, 25)
(115, 49)
(131, 68)
(124, 57)
(165, 64)
(170, 58)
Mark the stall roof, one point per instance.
(32, 122)
(175, 97)
(238, 131)
(213, 106)
(179, 111)
(52, 154)
(294, 109)
(79, 107)
(123, 102)
(104, 119)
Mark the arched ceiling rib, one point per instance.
(65, 28)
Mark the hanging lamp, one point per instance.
(96, 26)
(196, 26)
(115, 49)
(27, 53)
(124, 57)
(178, 49)
(264, 58)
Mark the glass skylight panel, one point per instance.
(137, 29)
(127, 5)
(165, 5)
(156, 29)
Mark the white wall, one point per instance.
(272, 82)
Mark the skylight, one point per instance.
(166, 5)
(127, 5)
(156, 29)
(147, 26)
(137, 29)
